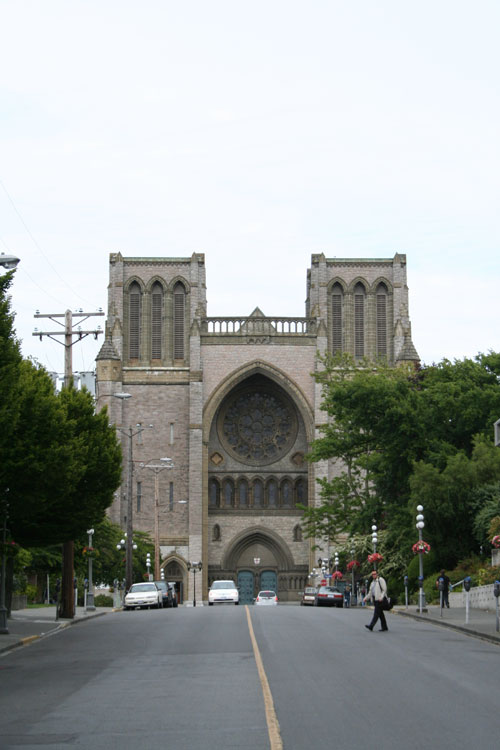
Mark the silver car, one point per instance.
(266, 599)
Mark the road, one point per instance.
(189, 678)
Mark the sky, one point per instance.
(257, 133)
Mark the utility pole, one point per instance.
(68, 332)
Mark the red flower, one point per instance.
(421, 547)
(352, 564)
(375, 557)
(496, 541)
(337, 574)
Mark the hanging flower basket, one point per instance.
(421, 548)
(89, 552)
(375, 557)
(10, 548)
(496, 541)
(337, 575)
(352, 565)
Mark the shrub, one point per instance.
(102, 600)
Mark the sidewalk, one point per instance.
(482, 622)
(27, 625)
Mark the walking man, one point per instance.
(377, 592)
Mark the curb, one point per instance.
(28, 640)
(459, 628)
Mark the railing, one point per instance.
(258, 326)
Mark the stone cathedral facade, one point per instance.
(232, 401)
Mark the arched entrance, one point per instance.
(173, 573)
(268, 581)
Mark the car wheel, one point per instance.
(236, 603)
(210, 604)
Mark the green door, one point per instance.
(245, 586)
(268, 581)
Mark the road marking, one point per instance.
(273, 726)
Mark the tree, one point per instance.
(64, 462)
(400, 437)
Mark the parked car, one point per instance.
(308, 596)
(328, 596)
(174, 594)
(144, 596)
(266, 598)
(223, 592)
(168, 593)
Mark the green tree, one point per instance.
(400, 437)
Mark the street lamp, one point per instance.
(127, 544)
(148, 564)
(420, 525)
(8, 261)
(194, 566)
(130, 434)
(90, 593)
(165, 463)
(4, 630)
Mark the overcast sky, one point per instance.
(258, 133)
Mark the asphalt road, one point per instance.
(188, 678)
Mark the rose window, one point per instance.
(258, 427)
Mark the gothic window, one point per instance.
(286, 493)
(258, 493)
(272, 493)
(258, 427)
(337, 318)
(156, 321)
(216, 533)
(171, 496)
(300, 492)
(139, 496)
(359, 320)
(134, 321)
(297, 534)
(243, 493)
(179, 320)
(382, 321)
(228, 490)
(214, 494)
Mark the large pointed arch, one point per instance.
(258, 367)
(258, 535)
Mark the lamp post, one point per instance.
(194, 566)
(165, 463)
(127, 544)
(354, 598)
(8, 261)
(4, 630)
(148, 564)
(420, 525)
(130, 434)
(374, 542)
(90, 593)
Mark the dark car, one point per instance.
(328, 596)
(308, 596)
(168, 593)
(174, 594)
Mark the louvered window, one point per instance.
(337, 310)
(381, 322)
(156, 321)
(134, 321)
(179, 312)
(359, 321)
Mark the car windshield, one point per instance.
(330, 589)
(223, 585)
(310, 590)
(267, 594)
(142, 587)
(161, 585)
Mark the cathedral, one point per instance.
(232, 402)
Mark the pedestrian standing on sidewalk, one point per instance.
(377, 592)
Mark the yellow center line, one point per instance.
(273, 726)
